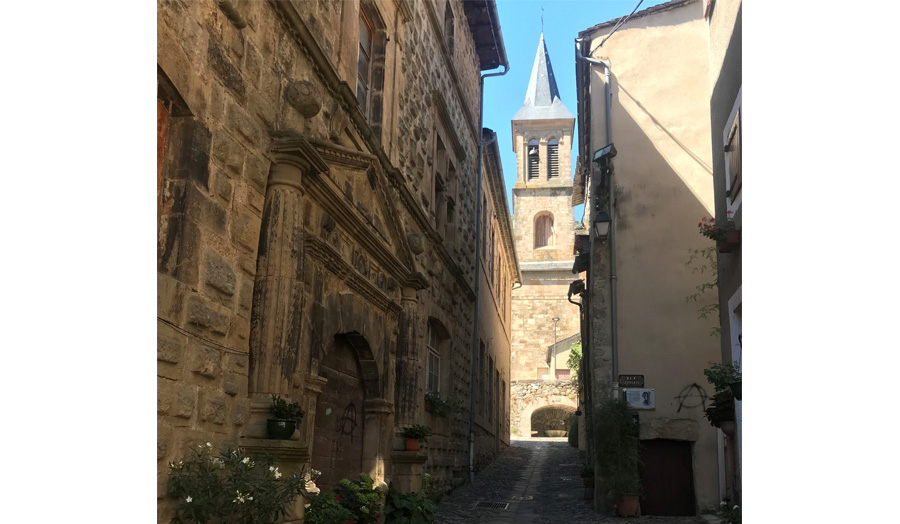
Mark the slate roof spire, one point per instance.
(542, 97)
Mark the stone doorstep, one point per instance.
(712, 519)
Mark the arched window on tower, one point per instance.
(543, 230)
(532, 159)
(553, 158)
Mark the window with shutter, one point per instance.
(553, 158)
(733, 152)
(543, 231)
(533, 159)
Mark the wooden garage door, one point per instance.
(667, 477)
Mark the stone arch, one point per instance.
(524, 422)
(543, 228)
(351, 380)
(554, 417)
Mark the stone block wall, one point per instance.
(527, 204)
(534, 306)
(530, 395)
(233, 92)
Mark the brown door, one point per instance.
(667, 477)
(338, 439)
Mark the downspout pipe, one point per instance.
(477, 272)
(614, 331)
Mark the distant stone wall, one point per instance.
(528, 395)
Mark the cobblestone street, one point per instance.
(541, 482)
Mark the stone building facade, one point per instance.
(542, 133)
(654, 68)
(317, 190)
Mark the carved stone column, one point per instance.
(312, 389)
(378, 437)
(278, 288)
(406, 392)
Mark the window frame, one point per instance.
(552, 158)
(433, 359)
(551, 235)
(367, 82)
(732, 202)
(535, 173)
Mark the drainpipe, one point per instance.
(614, 331)
(477, 273)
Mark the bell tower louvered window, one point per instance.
(532, 159)
(553, 158)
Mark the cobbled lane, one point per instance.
(541, 482)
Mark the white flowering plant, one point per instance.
(232, 488)
(731, 514)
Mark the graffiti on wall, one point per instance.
(692, 396)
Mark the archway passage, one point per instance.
(551, 421)
(338, 441)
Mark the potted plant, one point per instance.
(587, 476)
(441, 407)
(287, 415)
(415, 434)
(618, 455)
(720, 411)
(724, 232)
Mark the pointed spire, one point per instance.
(542, 97)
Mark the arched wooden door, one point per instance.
(338, 440)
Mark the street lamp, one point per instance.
(601, 227)
(555, 322)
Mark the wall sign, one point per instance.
(640, 398)
(631, 381)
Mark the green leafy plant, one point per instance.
(408, 508)
(618, 448)
(574, 363)
(721, 408)
(362, 498)
(327, 509)
(417, 431)
(285, 410)
(443, 406)
(232, 488)
(717, 229)
(432, 489)
(703, 261)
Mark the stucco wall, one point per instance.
(663, 187)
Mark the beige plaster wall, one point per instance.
(663, 181)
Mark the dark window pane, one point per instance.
(365, 36)
(362, 95)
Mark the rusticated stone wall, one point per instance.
(289, 223)
(530, 395)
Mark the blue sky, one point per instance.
(520, 22)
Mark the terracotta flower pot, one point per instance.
(731, 241)
(412, 444)
(627, 506)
